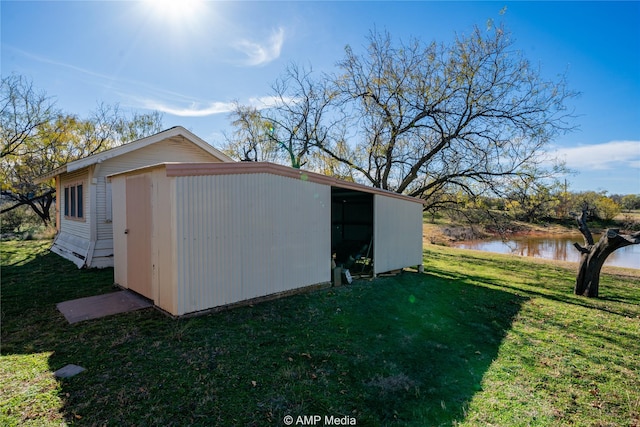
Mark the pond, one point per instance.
(552, 247)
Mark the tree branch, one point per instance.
(21, 200)
(580, 248)
(584, 229)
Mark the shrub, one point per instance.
(18, 221)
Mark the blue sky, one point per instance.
(191, 59)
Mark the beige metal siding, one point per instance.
(163, 241)
(118, 188)
(397, 233)
(138, 233)
(245, 236)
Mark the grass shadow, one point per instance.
(405, 350)
(424, 344)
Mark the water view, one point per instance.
(550, 247)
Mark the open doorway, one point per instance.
(352, 230)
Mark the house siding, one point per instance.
(175, 150)
(76, 227)
(73, 242)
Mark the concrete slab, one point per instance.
(99, 306)
(68, 371)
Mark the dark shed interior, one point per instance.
(352, 228)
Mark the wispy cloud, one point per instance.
(260, 53)
(191, 110)
(49, 61)
(117, 84)
(603, 156)
(264, 102)
(202, 109)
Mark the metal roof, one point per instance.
(194, 169)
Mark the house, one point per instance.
(196, 236)
(84, 200)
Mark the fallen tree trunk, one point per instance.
(595, 254)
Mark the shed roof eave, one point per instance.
(236, 168)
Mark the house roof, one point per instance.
(199, 169)
(136, 145)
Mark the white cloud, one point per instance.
(202, 109)
(608, 155)
(192, 110)
(265, 102)
(261, 53)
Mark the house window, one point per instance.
(74, 201)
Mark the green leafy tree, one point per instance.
(585, 201)
(630, 202)
(531, 197)
(36, 140)
(596, 204)
(607, 209)
(251, 140)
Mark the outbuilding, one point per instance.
(83, 209)
(196, 236)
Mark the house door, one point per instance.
(139, 234)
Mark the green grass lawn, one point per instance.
(478, 339)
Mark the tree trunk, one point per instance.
(595, 254)
(41, 205)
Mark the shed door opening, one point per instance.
(139, 234)
(352, 230)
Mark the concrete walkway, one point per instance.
(98, 306)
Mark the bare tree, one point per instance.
(593, 255)
(422, 119)
(22, 110)
(250, 141)
(464, 116)
(299, 116)
(290, 129)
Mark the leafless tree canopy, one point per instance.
(422, 118)
(429, 115)
(22, 110)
